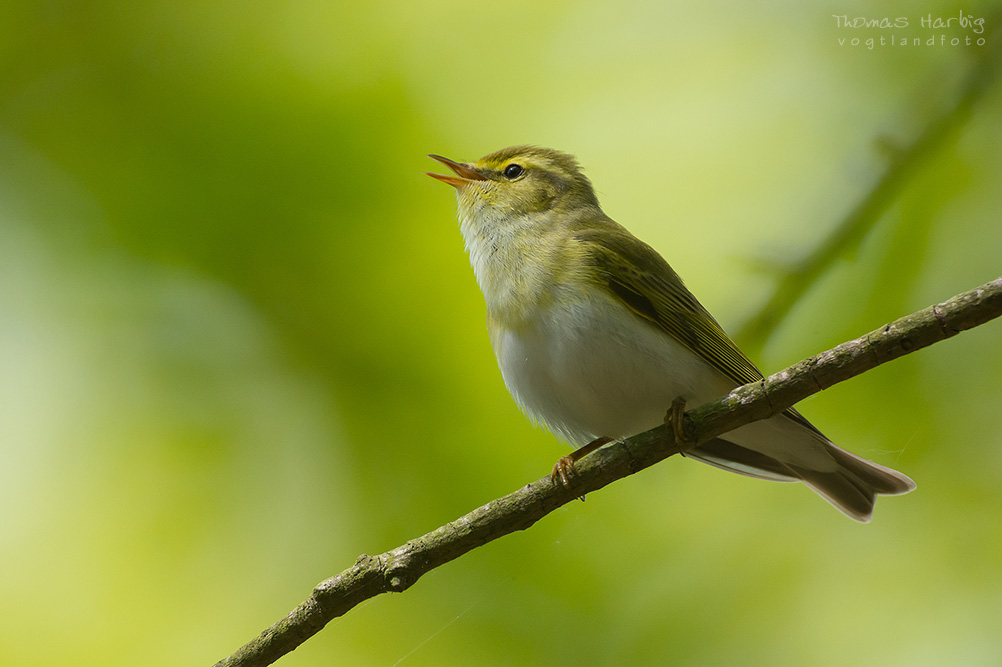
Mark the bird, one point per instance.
(596, 335)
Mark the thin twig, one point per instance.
(400, 568)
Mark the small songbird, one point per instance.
(596, 336)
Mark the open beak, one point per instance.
(464, 172)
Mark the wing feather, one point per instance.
(644, 282)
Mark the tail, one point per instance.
(854, 486)
(847, 481)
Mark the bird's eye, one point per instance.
(513, 171)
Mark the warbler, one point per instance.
(596, 335)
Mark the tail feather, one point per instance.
(849, 482)
(727, 455)
(853, 488)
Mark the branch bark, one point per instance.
(398, 569)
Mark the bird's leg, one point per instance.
(564, 469)
(673, 422)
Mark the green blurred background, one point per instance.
(240, 341)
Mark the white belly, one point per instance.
(593, 369)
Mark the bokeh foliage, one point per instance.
(240, 342)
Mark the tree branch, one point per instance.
(398, 569)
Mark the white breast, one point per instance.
(590, 367)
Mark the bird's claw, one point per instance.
(673, 421)
(563, 470)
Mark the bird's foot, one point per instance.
(564, 469)
(673, 422)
